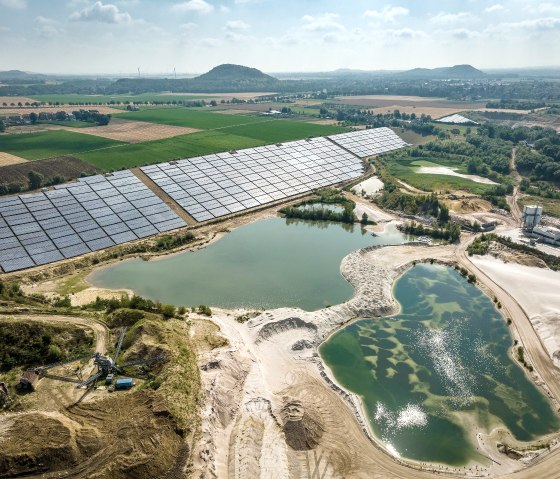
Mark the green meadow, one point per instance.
(47, 144)
(190, 118)
(203, 143)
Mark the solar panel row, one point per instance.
(77, 218)
(370, 142)
(212, 186)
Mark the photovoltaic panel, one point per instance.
(216, 185)
(369, 142)
(40, 228)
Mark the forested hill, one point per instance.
(235, 73)
(455, 72)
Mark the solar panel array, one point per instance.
(457, 119)
(212, 186)
(77, 218)
(370, 142)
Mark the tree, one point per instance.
(364, 219)
(213, 103)
(443, 216)
(35, 180)
(33, 117)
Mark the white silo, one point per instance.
(532, 215)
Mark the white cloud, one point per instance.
(188, 27)
(389, 13)
(5, 29)
(197, 6)
(443, 18)
(236, 26)
(536, 26)
(548, 8)
(463, 34)
(46, 27)
(210, 42)
(494, 8)
(15, 4)
(102, 13)
(322, 23)
(224, 9)
(404, 33)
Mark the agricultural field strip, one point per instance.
(217, 185)
(94, 213)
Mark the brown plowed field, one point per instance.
(66, 166)
(133, 131)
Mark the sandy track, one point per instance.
(7, 159)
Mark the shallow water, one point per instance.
(265, 264)
(438, 365)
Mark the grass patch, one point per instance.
(47, 144)
(412, 137)
(73, 284)
(190, 118)
(184, 146)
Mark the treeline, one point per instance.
(449, 231)
(535, 90)
(423, 205)
(320, 214)
(326, 196)
(516, 104)
(92, 117)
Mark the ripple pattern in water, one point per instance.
(438, 365)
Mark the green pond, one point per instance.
(442, 362)
(266, 264)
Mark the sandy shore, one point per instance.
(537, 291)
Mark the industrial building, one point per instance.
(547, 234)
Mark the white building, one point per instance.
(547, 234)
(532, 215)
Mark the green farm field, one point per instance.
(204, 143)
(190, 118)
(48, 144)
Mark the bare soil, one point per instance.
(7, 159)
(133, 131)
(65, 166)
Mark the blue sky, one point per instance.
(117, 36)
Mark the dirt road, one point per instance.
(512, 200)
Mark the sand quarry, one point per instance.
(272, 410)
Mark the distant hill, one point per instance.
(455, 72)
(235, 73)
(18, 75)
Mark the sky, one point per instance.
(120, 36)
